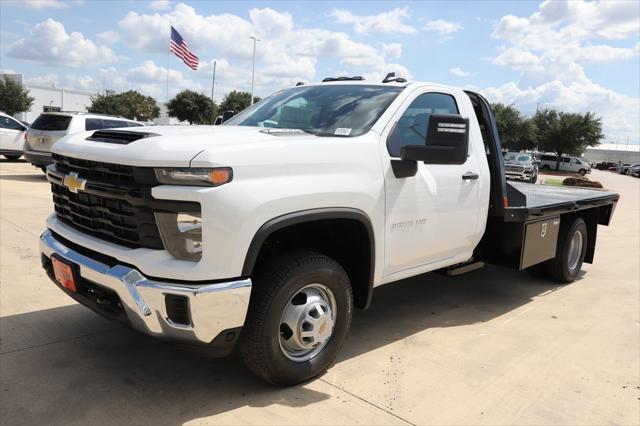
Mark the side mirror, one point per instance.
(447, 141)
(227, 115)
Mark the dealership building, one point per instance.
(624, 153)
(50, 98)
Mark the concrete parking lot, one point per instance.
(491, 347)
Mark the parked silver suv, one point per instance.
(49, 127)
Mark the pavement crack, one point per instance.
(19, 226)
(367, 402)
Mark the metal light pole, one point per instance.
(253, 72)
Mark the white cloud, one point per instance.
(442, 27)
(287, 53)
(392, 22)
(392, 50)
(619, 112)
(458, 72)
(37, 4)
(160, 5)
(108, 37)
(550, 47)
(50, 44)
(566, 30)
(44, 80)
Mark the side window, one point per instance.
(7, 123)
(93, 124)
(133, 124)
(411, 128)
(566, 160)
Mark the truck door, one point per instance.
(432, 216)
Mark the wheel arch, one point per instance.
(361, 280)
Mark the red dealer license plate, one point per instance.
(63, 274)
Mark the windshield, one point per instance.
(329, 110)
(51, 122)
(523, 158)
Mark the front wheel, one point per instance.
(298, 318)
(533, 179)
(546, 167)
(582, 172)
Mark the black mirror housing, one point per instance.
(227, 115)
(447, 141)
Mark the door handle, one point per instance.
(470, 176)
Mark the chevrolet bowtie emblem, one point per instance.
(74, 182)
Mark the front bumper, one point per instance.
(215, 310)
(38, 158)
(519, 176)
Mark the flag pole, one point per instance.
(168, 57)
(213, 81)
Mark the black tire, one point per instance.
(275, 284)
(582, 172)
(12, 157)
(545, 167)
(533, 179)
(558, 267)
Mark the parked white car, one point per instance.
(49, 127)
(567, 164)
(12, 134)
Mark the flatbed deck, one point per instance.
(534, 201)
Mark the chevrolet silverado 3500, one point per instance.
(262, 234)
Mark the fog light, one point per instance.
(181, 234)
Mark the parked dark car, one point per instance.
(635, 171)
(606, 165)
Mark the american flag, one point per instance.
(181, 50)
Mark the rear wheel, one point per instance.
(12, 157)
(298, 319)
(570, 251)
(546, 167)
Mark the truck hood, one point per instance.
(169, 146)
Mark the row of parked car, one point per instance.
(34, 141)
(624, 169)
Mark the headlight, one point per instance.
(197, 177)
(181, 234)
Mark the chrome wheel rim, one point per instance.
(575, 250)
(307, 322)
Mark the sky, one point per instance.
(574, 55)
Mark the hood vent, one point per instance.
(121, 137)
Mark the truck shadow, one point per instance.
(67, 365)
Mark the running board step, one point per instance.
(463, 268)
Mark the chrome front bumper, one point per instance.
(213, 307)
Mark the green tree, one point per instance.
(237, 101)
(13, 97)
(192, 107)
(567, 132)
(517, 132)
(131, 105)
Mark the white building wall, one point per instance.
(626, 154)
(65, 99)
